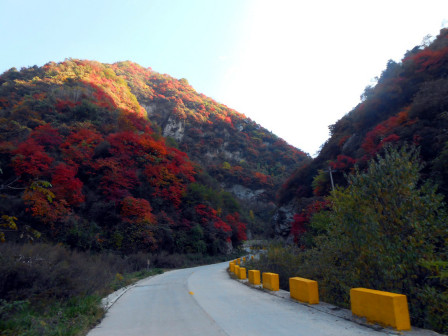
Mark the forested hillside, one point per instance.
(384, 225)
(82, 164)
(409, 104)
(242, 156)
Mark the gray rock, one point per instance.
(174, 128)
(283, 218)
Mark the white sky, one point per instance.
(302, 65)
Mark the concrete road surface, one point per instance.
(204, 301)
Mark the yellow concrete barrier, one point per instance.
(304, 290)
(232, 266)
(385, 308)
(242, 274)
(238, 261)
(270, 281)
(252, 257)
(237, 271)
(254, 277)
(244, 258)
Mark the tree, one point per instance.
(138, 223)
(41, 201)
(382, 229)
(79, 147)
(31, 160)
(66, 185)
(7, 223)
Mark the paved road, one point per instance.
(205, 301)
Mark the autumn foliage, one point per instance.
(302, 219)
(407, 105)
(86, 167)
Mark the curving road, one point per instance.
(206, 301)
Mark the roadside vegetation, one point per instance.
(52, 290)
(387, 230)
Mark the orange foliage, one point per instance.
(66, 186)
(79, 146)
(42, 204)
(136, 210)
(428, 59)
(31, 159)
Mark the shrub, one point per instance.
(42, 271)
(382, 229)
(385, 231)
(51, 290)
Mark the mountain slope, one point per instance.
(81, 165)
(120, 157)
(408, 105)
(231, 147)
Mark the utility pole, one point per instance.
(331, 177)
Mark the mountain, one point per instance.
(242, 156)
(409, 104)
(119, 157)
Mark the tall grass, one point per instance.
(51, 290)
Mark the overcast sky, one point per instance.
(295, 67)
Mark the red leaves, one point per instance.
(46, 135)
(263, 179)
(181, 165)
(79, 147)
(170, 178)
(209, 215)
(228, 120)
(130, 146)
(238, 227)
(115, 156)
(298, 226)
(102, 99)
(42, 203)
(301, 220)
(384, 133)
(31, 159)
(125, 145)
(428, 59)
(137, 213)
(343, 162)
(205, 212)
(390, 138)
(231, 225)
(63, 105)
(66, 186)
(136, 210)
(117, 179)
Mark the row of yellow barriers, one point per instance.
(385, 308)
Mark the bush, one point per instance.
(381, 232)
(385, 231)
(42, 271)
(51, 290)
(283, 260)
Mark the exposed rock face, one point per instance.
(282, 219)
(232, 156)
(174, 128)
(351, 144)
(245, 193)
(245, 159)
(150, 109)
(229, 247)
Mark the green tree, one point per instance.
(382, 231)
